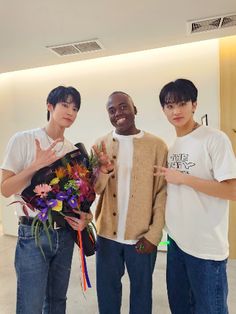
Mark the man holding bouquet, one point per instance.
(130, 211)
(42, 279)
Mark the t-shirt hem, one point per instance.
(127, 242)
(204, 256)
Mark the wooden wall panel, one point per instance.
(227, 52)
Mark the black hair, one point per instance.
(178, 91)
(120, 92)
(61, 94)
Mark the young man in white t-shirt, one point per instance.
(41, 282)
(130, 211)
(201, 177)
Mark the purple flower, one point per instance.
(61, 196)
(69, 191)
(73, 202)
(43, 215)
(40, 202)
(52, 203)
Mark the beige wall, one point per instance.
(142, 74)
(228, 114)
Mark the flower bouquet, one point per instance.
(65, 188)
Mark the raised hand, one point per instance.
(171, 175)
(45, 157)
(106, 164)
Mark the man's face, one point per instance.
(122, 112)
(180, 114)
(64, 113)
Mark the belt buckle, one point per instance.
(55, 226)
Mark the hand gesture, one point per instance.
(106, 164)
(45, 157)
(143, 246)
(171, 175)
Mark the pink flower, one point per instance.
(42, 189)
(83, 186)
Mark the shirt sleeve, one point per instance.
(14, 156)
(222, 157)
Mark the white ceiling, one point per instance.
(28, 26)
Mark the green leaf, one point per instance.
(94, 227)
(45, 227)
(36, 233)
(41, 249)
(33, 225)
(92, 230)
(37, 229)
(50, 218)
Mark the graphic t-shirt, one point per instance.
(197, 222)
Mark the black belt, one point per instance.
(23, 220)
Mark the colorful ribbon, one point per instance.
(85, 278)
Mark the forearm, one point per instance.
(225, 189)
(101, 182)
(13, 183)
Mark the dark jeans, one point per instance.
(111, 258)
(42, 284)
(195, 285)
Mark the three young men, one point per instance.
(130, 215)
(201, 177)
(42, 282)
(130, 211)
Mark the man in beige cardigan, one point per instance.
(130, 210)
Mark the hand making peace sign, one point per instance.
(106, 164)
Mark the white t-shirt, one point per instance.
(124, 169)
(20, 153)
(197, 222)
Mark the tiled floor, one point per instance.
(81, 304)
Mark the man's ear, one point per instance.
(194, 106)
(49, 107)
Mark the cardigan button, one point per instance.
(114, 157)
(113, 176)
(114, 195)
(114, 214)
(114, 233)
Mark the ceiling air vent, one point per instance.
(64, 50)
(88, 46)
(202, 26)
(210, 24)
(229, 21)
(76, 48)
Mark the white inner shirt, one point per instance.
(124, 168)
